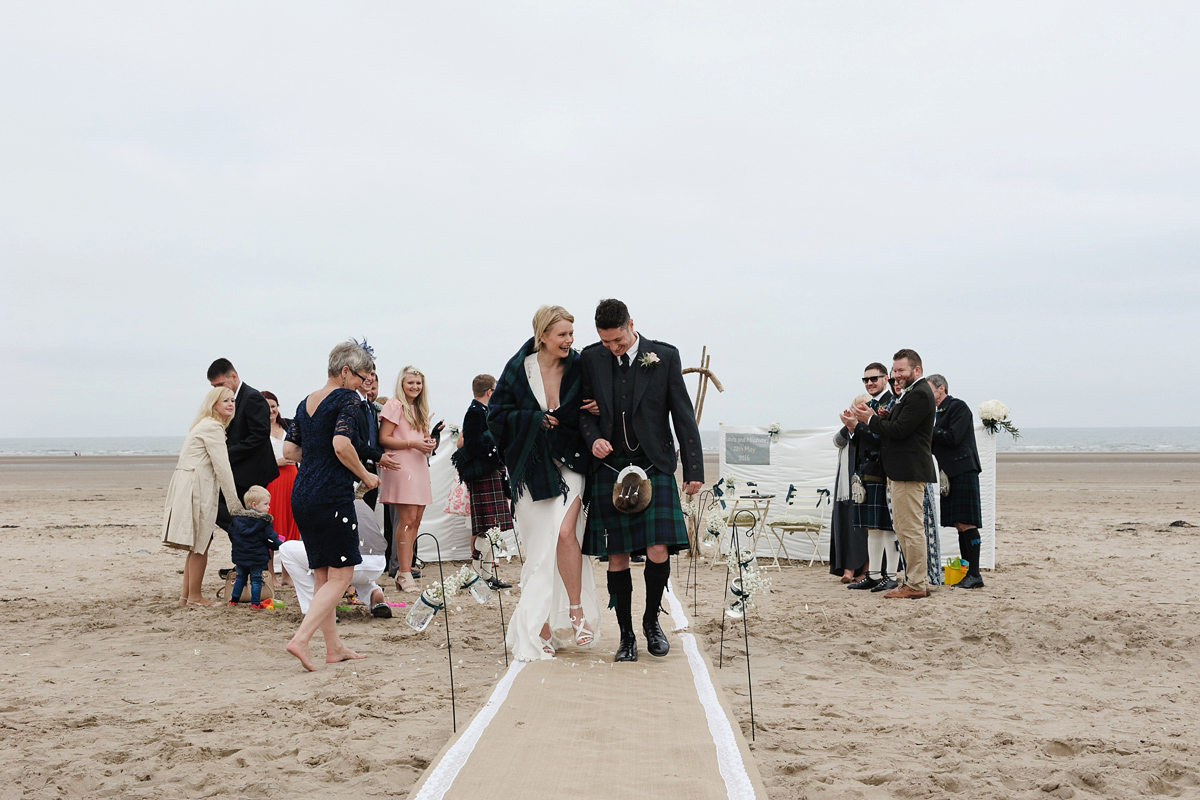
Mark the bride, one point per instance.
(534, 417)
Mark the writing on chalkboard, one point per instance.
(748, 448)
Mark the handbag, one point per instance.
(458, 500)
(231, 577)
(943, 483)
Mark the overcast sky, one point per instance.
(1012, 189)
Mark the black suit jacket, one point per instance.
(248, 439)
(479, 446)
(658, 393)
(867, 443)
(368, 449)
(954, 438)
(906, 436)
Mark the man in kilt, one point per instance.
(481, 467)
(957, 456)
(883, 551)
(637, 385)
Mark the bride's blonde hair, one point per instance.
(544, 319)
(415, 411)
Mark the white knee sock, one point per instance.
(876, 542)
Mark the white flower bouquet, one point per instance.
(994, 416)
(714, 526)
(773, 430)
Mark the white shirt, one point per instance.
(632, 351)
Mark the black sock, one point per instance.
(969, 545)
(656, 576)
(620, 597)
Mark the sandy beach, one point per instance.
(1072, 674)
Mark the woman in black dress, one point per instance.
(326, 431)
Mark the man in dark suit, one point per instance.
(370, 453)
(958, 456)
(872, 513)
(248, 437)
(637, 385)
(906, 450)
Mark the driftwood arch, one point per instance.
(706, 375)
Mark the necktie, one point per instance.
(625, 361)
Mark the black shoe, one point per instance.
(221, 573)
(416, 573)
(866, 582)
(970, 582)
(637, 559)
(627, 650)
(602, 559)
(381, 611)
(495, 584)
(656, 640)
(885, 585)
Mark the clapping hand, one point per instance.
(863, 412)
(848, 419)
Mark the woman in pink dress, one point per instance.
(404, 431)
(281, 487)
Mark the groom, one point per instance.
(636, 384)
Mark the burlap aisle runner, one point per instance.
(581, 726)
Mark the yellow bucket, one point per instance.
(954, 574)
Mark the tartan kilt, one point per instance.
(963, 503)
(873, 513)
(660, 523)
(489, 505)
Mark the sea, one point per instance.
(1032, 440)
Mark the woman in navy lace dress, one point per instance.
(325, 431)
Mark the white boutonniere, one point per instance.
(648, 360)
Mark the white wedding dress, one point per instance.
(543, 594)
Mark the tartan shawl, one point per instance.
(515, 420)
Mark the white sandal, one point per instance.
(405, 583)
(583, 636)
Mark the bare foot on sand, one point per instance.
(345, 654)
(301, 652)
(201, 603)
(182, 601)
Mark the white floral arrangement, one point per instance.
(499, 546)
(773, 430)
(994, 416)
(754, 582)
(434, 595)
(731, 483)
(714, 526)
(453, 429)
(648, 360)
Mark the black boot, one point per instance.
(969, 544)
(620, 593)
(656, 576)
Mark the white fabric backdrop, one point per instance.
(452, 532)
(808, 458)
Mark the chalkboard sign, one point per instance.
(748, 448)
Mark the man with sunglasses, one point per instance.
(906, 438)
(248, 437)
(872, 512)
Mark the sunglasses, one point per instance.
(871, 378)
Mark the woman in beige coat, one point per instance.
(203, 471)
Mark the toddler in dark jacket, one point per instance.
(253, 539)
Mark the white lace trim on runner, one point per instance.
(447, 770)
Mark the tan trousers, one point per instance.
(908, 518)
